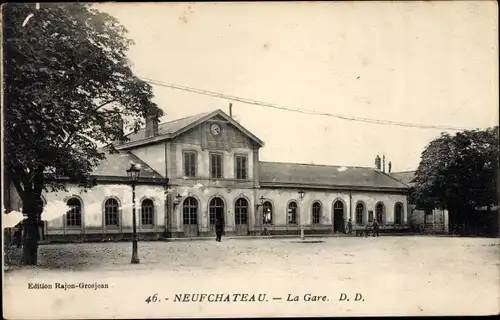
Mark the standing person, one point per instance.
(219, 228)
(375, 228)
(349, 226)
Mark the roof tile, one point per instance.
(406, 176)
(169, 127)
(116, 165)
(325, 175)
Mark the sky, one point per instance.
(432, 63)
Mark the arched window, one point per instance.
(190, 211)
(292, 212)
(267, 213)
(111, 213)
(216, 209)
(74, 215)
(316, 212)
(380, 213)
(241, 211)
(147, 212)
(398, 213)
(360, 212)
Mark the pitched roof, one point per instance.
(278, 173)
(168, 128)
(171, 129)
(116, 164)
(404, 176)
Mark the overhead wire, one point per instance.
(299, 110)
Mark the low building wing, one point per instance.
(288, 174)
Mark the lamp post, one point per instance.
(301, 194)
(133, 174)
(177, 200)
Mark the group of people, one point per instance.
(219, 228)
(374, 228)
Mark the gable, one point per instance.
(226, 137)
(194, 129)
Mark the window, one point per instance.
(111, 212)
(316, 213)
(379, 211)
(241, 168)
(147, 212)
(216, 208)
(216, 166)
(74, 215)
(267, 213)
(398, 213)
(360, 210)
(292, 212)
(241, 211)
(190, 211)
(190, 164)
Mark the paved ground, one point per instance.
(395, 275)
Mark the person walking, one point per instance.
(349, 226)
(375, 228)
(219, 229)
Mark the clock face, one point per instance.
(215, 129)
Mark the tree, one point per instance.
(458, 173)
(67, 84)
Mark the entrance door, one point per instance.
(338, 217)
(241, 216)
(216, 210)
(190, 217)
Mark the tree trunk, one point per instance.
(31, 229)
(29, 185)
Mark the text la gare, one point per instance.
(307, 297)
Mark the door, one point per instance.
(241, 217)
(190, 217)
(216, 210)
(338, 216)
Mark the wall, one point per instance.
(229, 143)
(281, 198)
(370, 200)
(438, 218)
(204, 196)
(93, 207)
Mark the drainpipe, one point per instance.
(350, 204)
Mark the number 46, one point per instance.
(152, 298)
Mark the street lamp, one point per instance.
(133, 174)
(301, 194)
(177, 200)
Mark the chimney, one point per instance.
(390, 166)
(383, 163)
(151, 126)
(231, 110)
(377, 162)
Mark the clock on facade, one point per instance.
(215, 129)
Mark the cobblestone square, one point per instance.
(393, 275)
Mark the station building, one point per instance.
(207, 165)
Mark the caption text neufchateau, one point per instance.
(68, 286)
